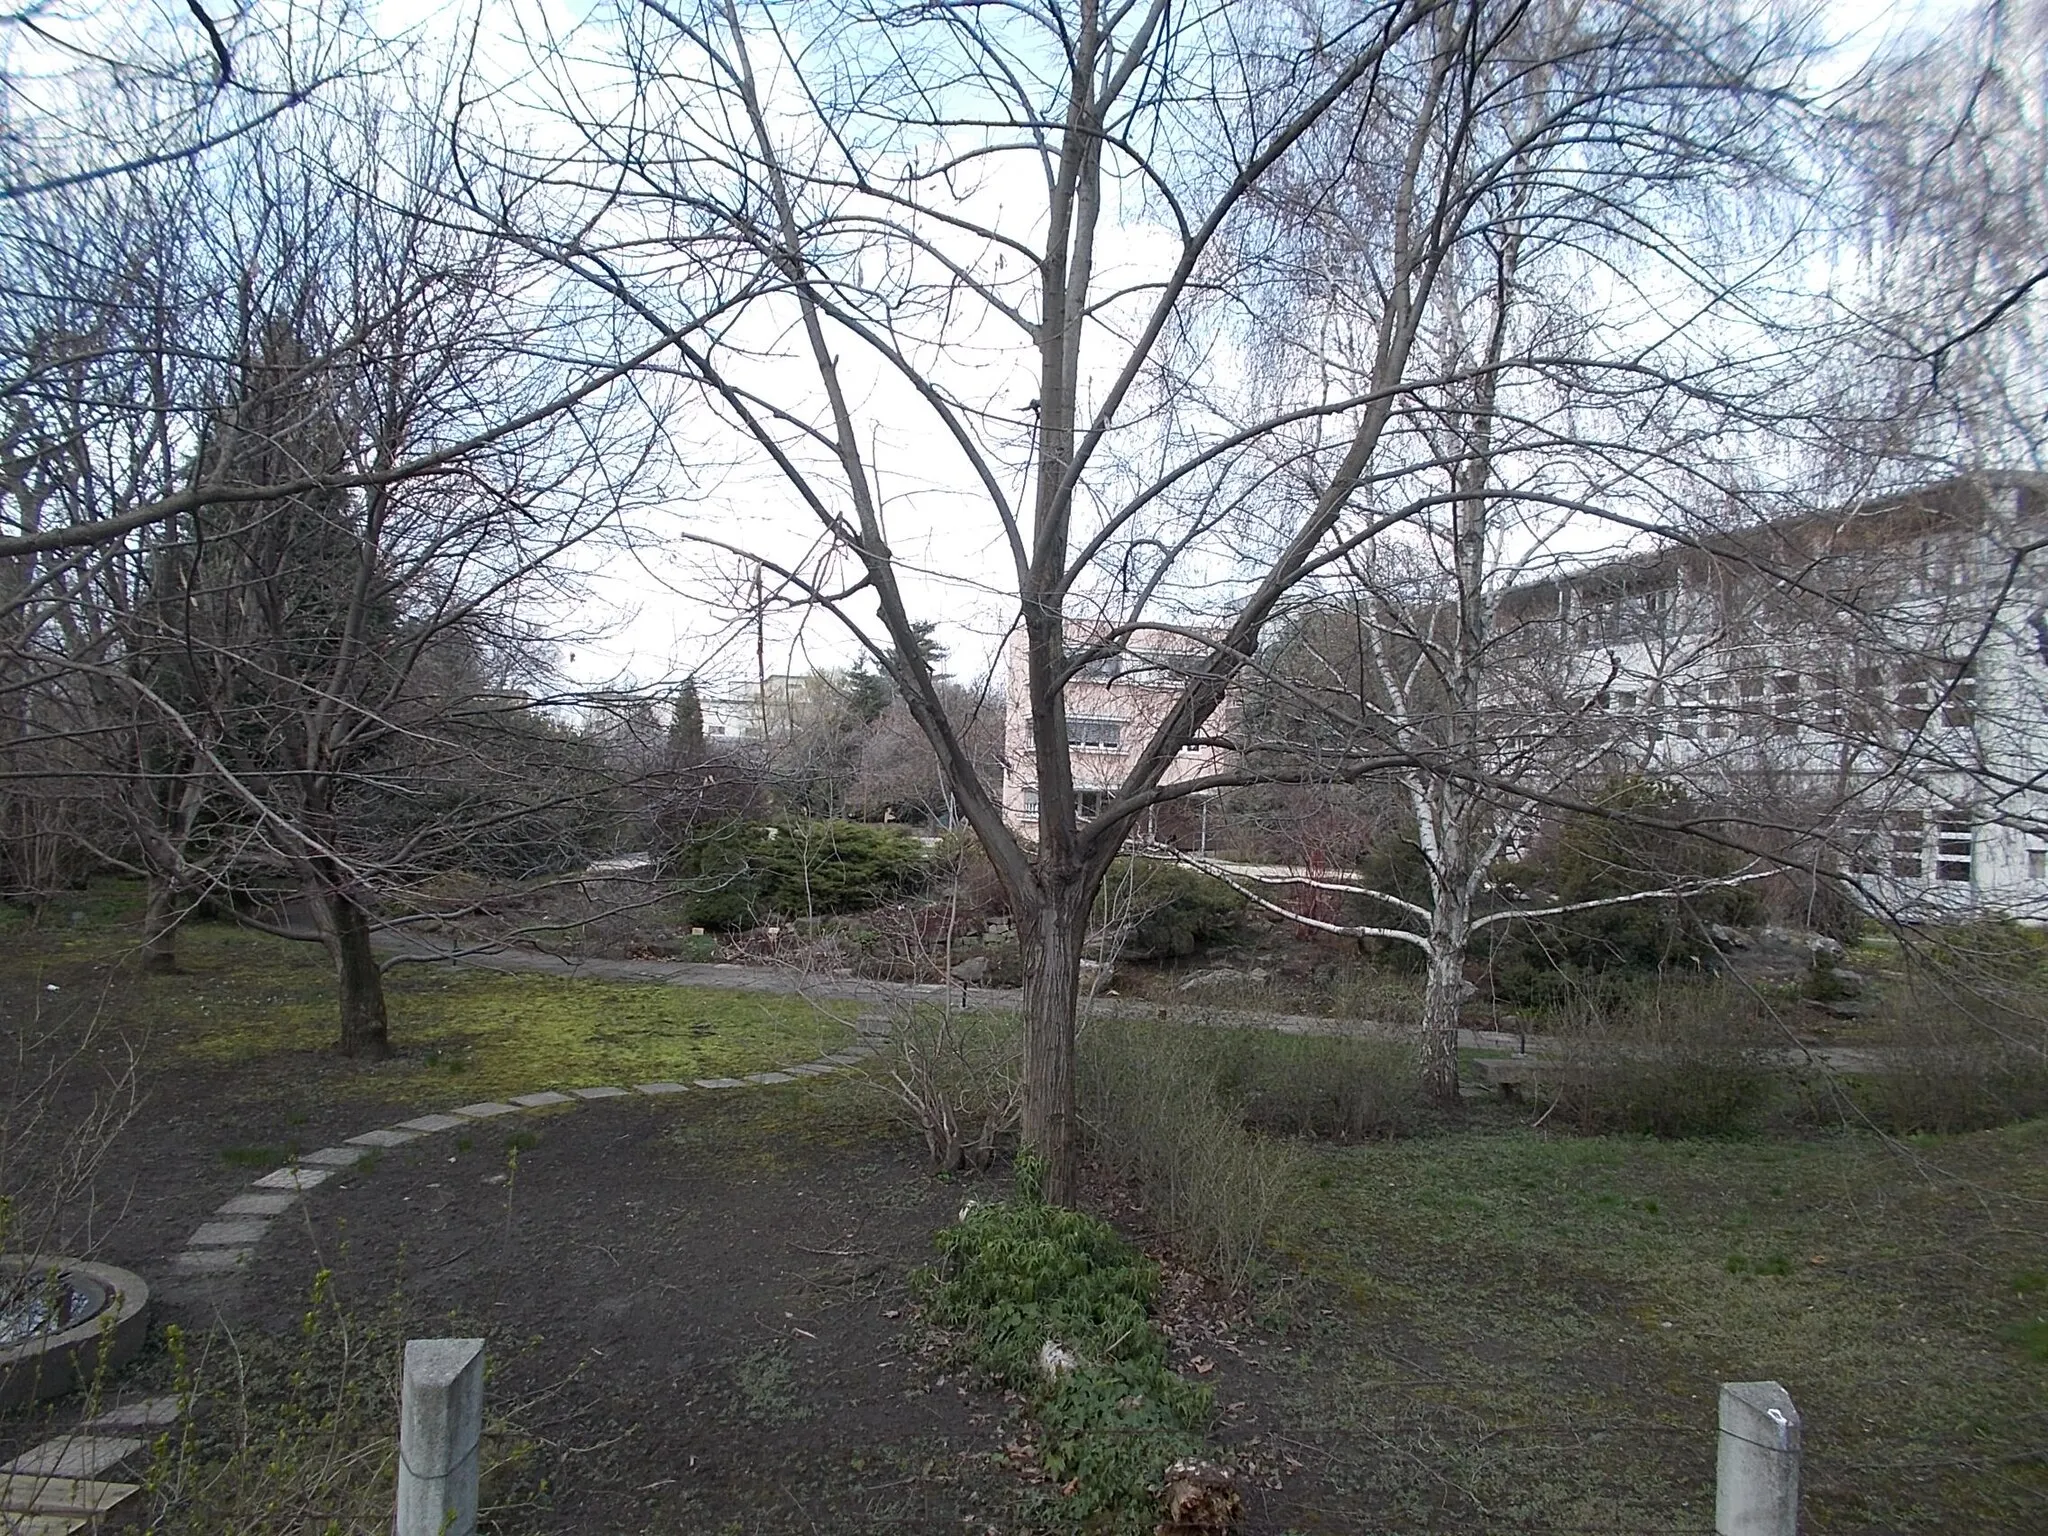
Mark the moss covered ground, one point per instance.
(243, 1000)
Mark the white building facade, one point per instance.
(1877, 676)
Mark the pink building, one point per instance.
(1114, 705)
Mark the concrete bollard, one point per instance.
(1756, 1491)
(440, 1435)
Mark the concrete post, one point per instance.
(1756, 1490)
(440, 1432)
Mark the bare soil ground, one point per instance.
(699, 1309)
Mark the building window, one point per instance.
(1688, 714)
(1752, 704)
(1953, 845)
(2037, 863)
(1909, 849)
(1959, 708)
(1095, 733)
(1626, 615)
(1827, 703)
(1785, 716)
(1718, 723)
(1088, 803)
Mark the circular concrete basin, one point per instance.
(63, 1321)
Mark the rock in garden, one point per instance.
(1222, 976)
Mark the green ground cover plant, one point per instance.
(1015, 1275)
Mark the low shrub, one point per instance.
(1157, 1113)
(1164, 911)
(956, 1077)
(1550, 962)
(300, 1432)
(1320, 1086)
(1014, 1276)
(744, 872)
(1686, 1062)
(1376, 993)
(1964, 1019)
(1945, 1088)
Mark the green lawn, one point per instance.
(245, 1000)
(1515, 1331)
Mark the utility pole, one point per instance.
(761, 653)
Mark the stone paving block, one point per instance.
(813, 1069)
(541, 1099)
(211, 1261)
(720, 1082)
(660, 1088)
(335, 1157)
(143, 1413)
(227, 1234)
(384, 1138)
(845, 1058)
(599, 1093)
(486, 1110)
(12, 1524)
(74, 1455)
(85, 1496)
(301, 1179)
(428, 1124)
(769, 1077)
(258, 1205)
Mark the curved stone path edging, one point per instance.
(226, 1242)
(39, 1488)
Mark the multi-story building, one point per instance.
(1878, 676)
(1114, 705)
(1873, 681)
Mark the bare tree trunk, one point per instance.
(1052, 990)
(160, 922)
(1443, 994)
(345, 928)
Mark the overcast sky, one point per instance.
(663, 610)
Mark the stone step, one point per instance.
(42, 1525)
(76, 1455)
(76, 1497)
(140, 1413)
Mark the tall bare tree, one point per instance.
(988, 295)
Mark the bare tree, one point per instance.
(315, 694)
(1947, 273)
(1061, 242)
(189, 78)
